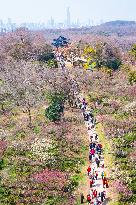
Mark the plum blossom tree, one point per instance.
(23, 45)
(122, 189)
(5, 94)
(25, 81)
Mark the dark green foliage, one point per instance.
(56, 107)
(113, 64)
(53, 112)
(48, 58)
(45, 57)
(60, 42)
(2, 164)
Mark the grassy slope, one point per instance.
(109, 163)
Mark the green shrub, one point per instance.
(56, 107)
(113, 64)
(132, 77)
(21, 134)
(37, 129)
(74, 181)
(53, 112)
(2, 164)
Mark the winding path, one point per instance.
(98, 185)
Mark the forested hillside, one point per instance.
(121, 33)
(43, 138)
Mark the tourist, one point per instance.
(89, 170)
(82, 198)
(93, 170)
(96, 175)
(88, 198)
(92, 152)
(97, 156)
(96, 137)
(102, 165)
(94, 144)
(97, 149)
(95, 193)
(91, 145)
(105, 174)
(91, 183)
(97, 202)
(97, 162)
(104, 182)
(102, 174)
(91, 116)
(84, 103)
(91, 138)
(102, 196)
(90, 175)
(90, 157)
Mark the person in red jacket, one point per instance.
(104, 182)
(91, 183)
(89, 170)
(95, 193)
(89, 198)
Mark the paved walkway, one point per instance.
(98, 183)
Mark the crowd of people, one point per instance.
(98, 181)
(95, 171)
(60, 59)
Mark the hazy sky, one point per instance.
(41, 10)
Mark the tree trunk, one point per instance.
(30, 117)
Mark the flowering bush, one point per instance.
(122, 189)
(40, 148)
(117, 127)
(52, 179)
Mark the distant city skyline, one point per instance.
(41, 10)
(67, 23)
(9, 25)
(40, 14)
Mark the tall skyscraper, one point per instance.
(52, 22)
(68, 18)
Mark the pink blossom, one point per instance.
(51, 178)
(122, 188)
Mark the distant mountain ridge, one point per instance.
(118, 27)
(119, 23)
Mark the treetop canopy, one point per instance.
(60, 42)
